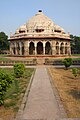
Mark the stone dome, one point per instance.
(39, 23)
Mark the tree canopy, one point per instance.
(4, 43)
(75, 44)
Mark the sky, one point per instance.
(65, 13)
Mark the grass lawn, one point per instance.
(76, 54)
(69, 90)
(4, 59)
(14, 95)
(75, 58)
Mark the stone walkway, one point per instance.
(41, 104)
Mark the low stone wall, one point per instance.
(11, 63)
(76, 62)
(36, 61)
(60, 62)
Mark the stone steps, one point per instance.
(40, 61)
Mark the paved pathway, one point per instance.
(41, 104)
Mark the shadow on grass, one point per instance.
(75, 93)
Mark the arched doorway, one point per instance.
(48, 48)
(66, 48)
(62, 48)
(22, 44)
(39, 48)
(31, 48)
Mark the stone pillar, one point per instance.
(69, 50)
(43, 48)
(35, 48)
(26, 48)
(20, 45)
(59, 50)
(16, 49)
(11, 50)
(53, 50)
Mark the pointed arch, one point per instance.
(31, 48)
(66, 48)
(62, 48)
(39, 48)
(48, 49)
(22, 44)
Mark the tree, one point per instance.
(75, 44)
(4, 43)
(67, 62)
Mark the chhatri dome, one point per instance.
(40, 36)
(40, 23)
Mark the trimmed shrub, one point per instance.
(67, 62)
(75, 72)
(19, 70)
(5, 82)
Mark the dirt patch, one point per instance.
(6, 114)
(69, 90)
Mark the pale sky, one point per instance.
(65, 13)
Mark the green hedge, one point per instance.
(67, 62)
(5, 82)
(19, 70)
